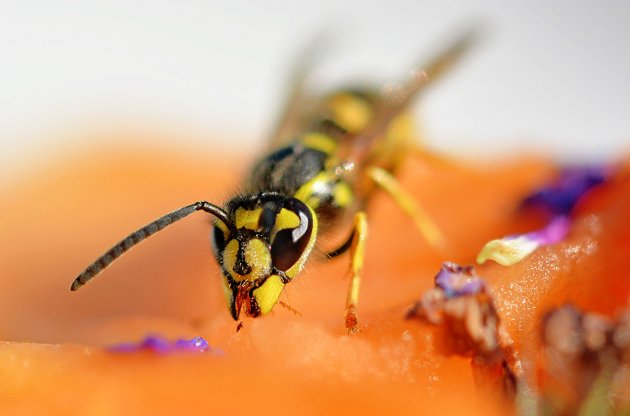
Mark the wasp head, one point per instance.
(266, 244)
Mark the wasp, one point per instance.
(328, 155)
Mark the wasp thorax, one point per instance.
(266, 245)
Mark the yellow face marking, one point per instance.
(320, 141)
(229, 259)
(259, 259)
(268, 293)
(297, 267)
(246, 218)
(221, 226)
(257, 256)
(350, 112)
(227, 292)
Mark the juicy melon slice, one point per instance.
(55, 360)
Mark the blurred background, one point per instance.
(548, 77)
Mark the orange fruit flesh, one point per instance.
(58, 221)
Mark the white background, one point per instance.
(551, 76)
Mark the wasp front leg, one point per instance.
(357, 251)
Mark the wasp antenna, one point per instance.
(141, 234)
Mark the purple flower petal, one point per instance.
(195, 344)
(561, 196)
(512, 249)
(558, 199)
(554, 232)
(160, 345)
(456, 280)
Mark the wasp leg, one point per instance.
(357, 250)
(409, 205)
(342, 248)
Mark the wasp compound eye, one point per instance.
(294, 226)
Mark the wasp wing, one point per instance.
(298, 104)
(395, 99)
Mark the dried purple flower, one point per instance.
(456, 280)
(461, 309)
(160, 345)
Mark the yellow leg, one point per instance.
(427, 227)
(357, 250)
